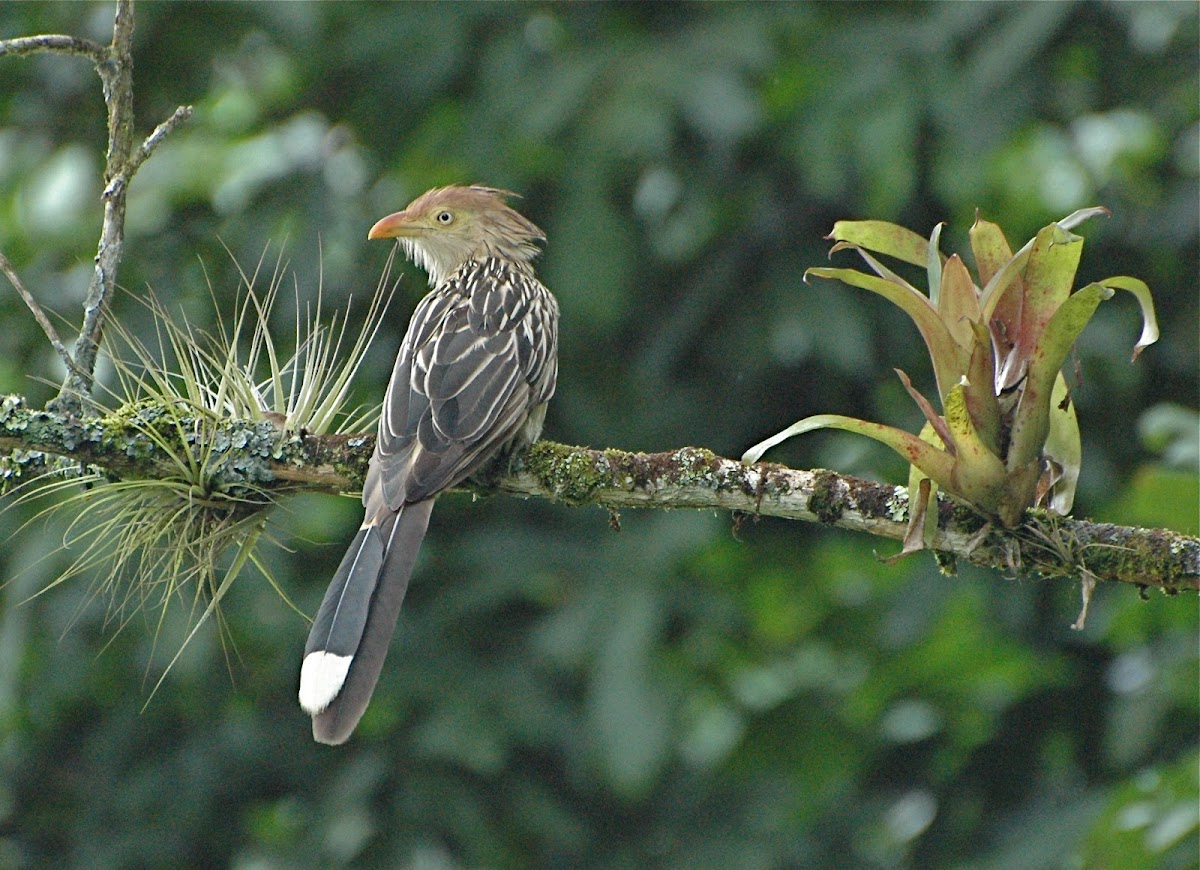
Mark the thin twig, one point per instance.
(38, 314)
(23, 46)
(145, 150)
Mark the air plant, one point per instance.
(1007, 437)
(199, 398)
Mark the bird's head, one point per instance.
(447, 226)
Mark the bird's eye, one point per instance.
(445, 217)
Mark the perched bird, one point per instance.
(474, 373)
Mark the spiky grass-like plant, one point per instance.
(199, 401)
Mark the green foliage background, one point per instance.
(672, 695)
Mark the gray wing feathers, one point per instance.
(478, 357)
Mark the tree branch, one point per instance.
(256, 457)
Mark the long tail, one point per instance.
(354, 625)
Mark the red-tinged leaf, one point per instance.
(958, 304)
(933, 463)
(884, 238)
(949, 360)
(1049, 276)
(979, 389)
(1141, 292)
(1031, 422)
(990, 248)
(932, 418)
(995, 298)
(928, 494)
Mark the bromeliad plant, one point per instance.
(1007, 438)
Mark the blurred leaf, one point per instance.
(1149, 821)
(1173, 432)
(1158, 497)
(628, 711)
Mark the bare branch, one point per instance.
(114, 64)
(116, 76)
(144, 150)
(46, 43)
(38, 314)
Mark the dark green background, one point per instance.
(673, 695)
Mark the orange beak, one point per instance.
(390, 227)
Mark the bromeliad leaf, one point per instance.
(1031, 423)
(934, 463)
(933, 268)
(947, 357)
(958, 305)
(883, 238)
(1141, 293)
(1048, 278)
(982, 403)
(932, 418)
(1062, 450)
(978, 473)
(990, 248)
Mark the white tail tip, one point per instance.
(321, 678)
